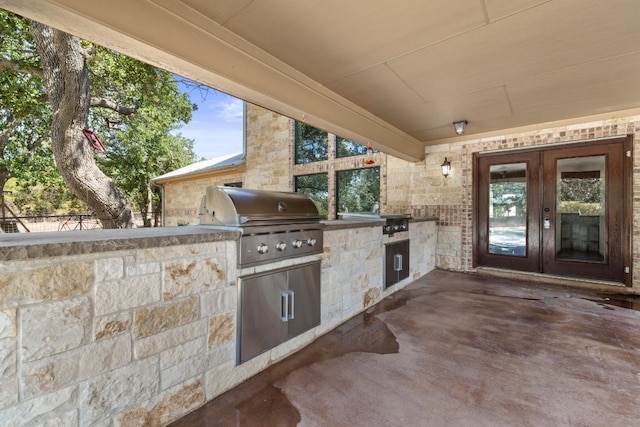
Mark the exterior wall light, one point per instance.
(446, 167)
(460, 126)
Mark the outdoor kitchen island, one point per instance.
(139, 326)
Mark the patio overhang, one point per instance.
(391, 75)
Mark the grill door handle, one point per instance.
(287, 305)
(284, 306)
(292, 304)
(397, 262)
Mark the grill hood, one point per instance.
(231, 206)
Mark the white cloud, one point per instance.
(231, 110)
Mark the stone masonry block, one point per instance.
(108, 326)
(190, 368)
(219, 301)
(222, 329)
(47, 283)
(109, 269)
(148, 346)
(69, 368)
(165, 408)
(52, 328)
(184, 351)
(191, 276)
(8, 358)
(7, 323)
(9, 392)
(35, 411)
(150, 320)
(107, 394)
(127, 294)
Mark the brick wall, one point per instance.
(450, 199)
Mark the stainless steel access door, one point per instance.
(260, 306)
(276, 306)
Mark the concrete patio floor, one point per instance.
(454, 349)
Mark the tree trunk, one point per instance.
(148, 205)
(67, 81)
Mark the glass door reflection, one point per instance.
(580, 209)
(508, 209)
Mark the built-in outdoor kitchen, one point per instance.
(158, 321)
(142, 326)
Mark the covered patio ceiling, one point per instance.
(394, 75)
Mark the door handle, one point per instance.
(287, 305)
(397, 262)
(284, 306)
(292, 305)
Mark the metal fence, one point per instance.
(45, 223)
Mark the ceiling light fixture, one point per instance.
(460, 126)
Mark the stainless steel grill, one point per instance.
(280, 303)
(275, 225)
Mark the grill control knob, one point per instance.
(311, 242)
(387, 228)
(403, 226)
(263, 248)
(296, 243)
(281, 246)
(396, 227)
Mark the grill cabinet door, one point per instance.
(304, 282)
(261, 326)
(396, 262)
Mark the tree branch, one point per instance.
(105, 103)
(7, 65)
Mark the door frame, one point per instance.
(627, 192)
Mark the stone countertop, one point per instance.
(340, 224)
(25, 246)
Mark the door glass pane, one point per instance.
(580, 209)
(508, 209)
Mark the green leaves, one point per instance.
(139, 148)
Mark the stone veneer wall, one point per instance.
(421, 188)
(124, 336)
(353, 267)
(268, 147)
(143, 335)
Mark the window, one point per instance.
(316, 187)
(311, 144)
(347, 148)
(358, 190)
(347, 179)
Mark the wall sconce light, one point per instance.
(446, 167)
(460, 126)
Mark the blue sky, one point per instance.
(216, 126)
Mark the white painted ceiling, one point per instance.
(393, 74)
